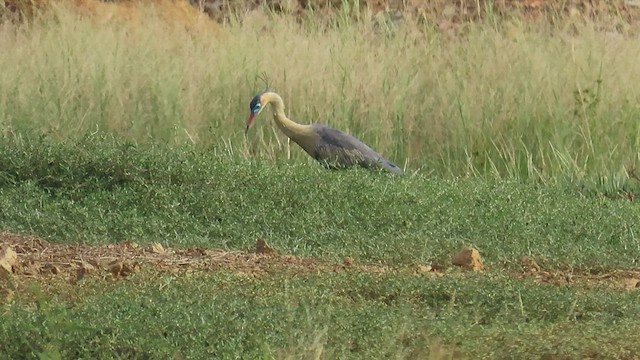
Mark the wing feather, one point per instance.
(338, 150)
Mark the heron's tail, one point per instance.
(391, 167)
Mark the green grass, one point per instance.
(101, 191)
(525, 102)
(517, 140)
(105, 190)
(349, 315)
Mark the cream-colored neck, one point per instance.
(292, 129)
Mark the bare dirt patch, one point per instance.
(444, 14)
(39, 259)
(621, 279)
(33, 258)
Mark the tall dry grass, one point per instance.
(512, 100)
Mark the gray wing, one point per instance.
(337, 149)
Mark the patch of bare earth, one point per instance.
(28, 257)
(621, 279)
(446, 15)
(32, 257)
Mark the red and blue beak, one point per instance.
(250, 122)
(255, 106)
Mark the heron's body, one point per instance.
(333, 148)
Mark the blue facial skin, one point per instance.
(255, 105)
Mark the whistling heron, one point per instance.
(333, 148)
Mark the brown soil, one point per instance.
(443, 14)
(37, 258)
(27, 257)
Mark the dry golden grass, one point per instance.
(129, 12)
(507, 98)
(175, 12)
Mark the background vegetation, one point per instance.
(102, 191)
(519, 139)
(507, 100)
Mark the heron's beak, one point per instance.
(249, 123)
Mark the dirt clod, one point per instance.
(8, 259)
(38, 260)
(157, 248)
(469, 259)
(263, 248)
(630, 283)
(529, 264)
(348, 261)
(53, 269)
(83, 269)
(31, 267)
(87, 267)
(121, 268)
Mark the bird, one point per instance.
(333, 148)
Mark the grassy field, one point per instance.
(295, 316)
(506, 100)
(519, 141)
(102, 191)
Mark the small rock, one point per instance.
(116, 268)
(422, 269)
(8, 259)
(32, 268)
(84, 269)
(630, 283)
(530, 264)
(263, 248)
(54, 269)
(121, 268)
(469, 259)
(348, 261)
(131, 244)
(157, 248)
(87, 267)
(103, 263)
(436, 268)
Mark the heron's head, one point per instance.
(256, 107)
